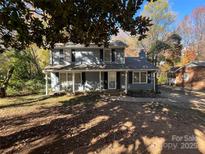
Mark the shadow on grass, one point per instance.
(95, 123)
(85, 99)
(24, 101)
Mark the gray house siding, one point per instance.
(86, 56)
(119, 53)
(55, 57)
(83, 56)
(149, 85)
(55, 84)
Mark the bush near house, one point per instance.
(141, 93)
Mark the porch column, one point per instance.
(100, 80)
(126, 82)
(46, 83)
(154, 81)
(73, 78)
(66, 73)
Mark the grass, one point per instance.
(13, 106)
(93, 123)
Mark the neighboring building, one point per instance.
(171, 75)
(191, 76)
(74, 67)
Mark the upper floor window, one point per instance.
(61, 51)
(186, 76)
(107, 55)
(61, 56)
(113, 54)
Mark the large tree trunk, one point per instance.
(6, 82)
(2, 92)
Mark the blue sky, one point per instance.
(180, 7)
(185, 7)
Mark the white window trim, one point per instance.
(109, 81)
(139, 77)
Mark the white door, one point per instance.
(111, 80)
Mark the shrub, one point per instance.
(20, 87)
(141, 93)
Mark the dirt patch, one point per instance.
(98, 124)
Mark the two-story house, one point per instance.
(74, 67)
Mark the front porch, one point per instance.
(80, 81)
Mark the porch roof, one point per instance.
(131, 63)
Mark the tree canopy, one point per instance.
(168, 50)
(192, 31)
(23, 22)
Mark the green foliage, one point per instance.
(168, 50)
(46, 22)
(28, 64)
(162, 18)
(18, 87)
(162, 78)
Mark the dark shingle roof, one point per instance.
(130, 63)
(173, 69)
(191, 64)
(138, 63)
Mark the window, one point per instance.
(136, 77)
(61, 58)
(61, 51)
(113, 55)
(69, 79)
(107, 55)
(140, 77)
(77, 77)
(143, 77)
(186, 76)
(73, 55)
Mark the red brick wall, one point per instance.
(196, 78)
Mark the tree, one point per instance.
(168, 50)
(192, 31)
(162, 18)
(189, 55)
(19, 67)
(23, 22)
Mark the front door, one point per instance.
(118, 80)
(112, 80)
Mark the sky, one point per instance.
(185, 7)
(180, 7)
